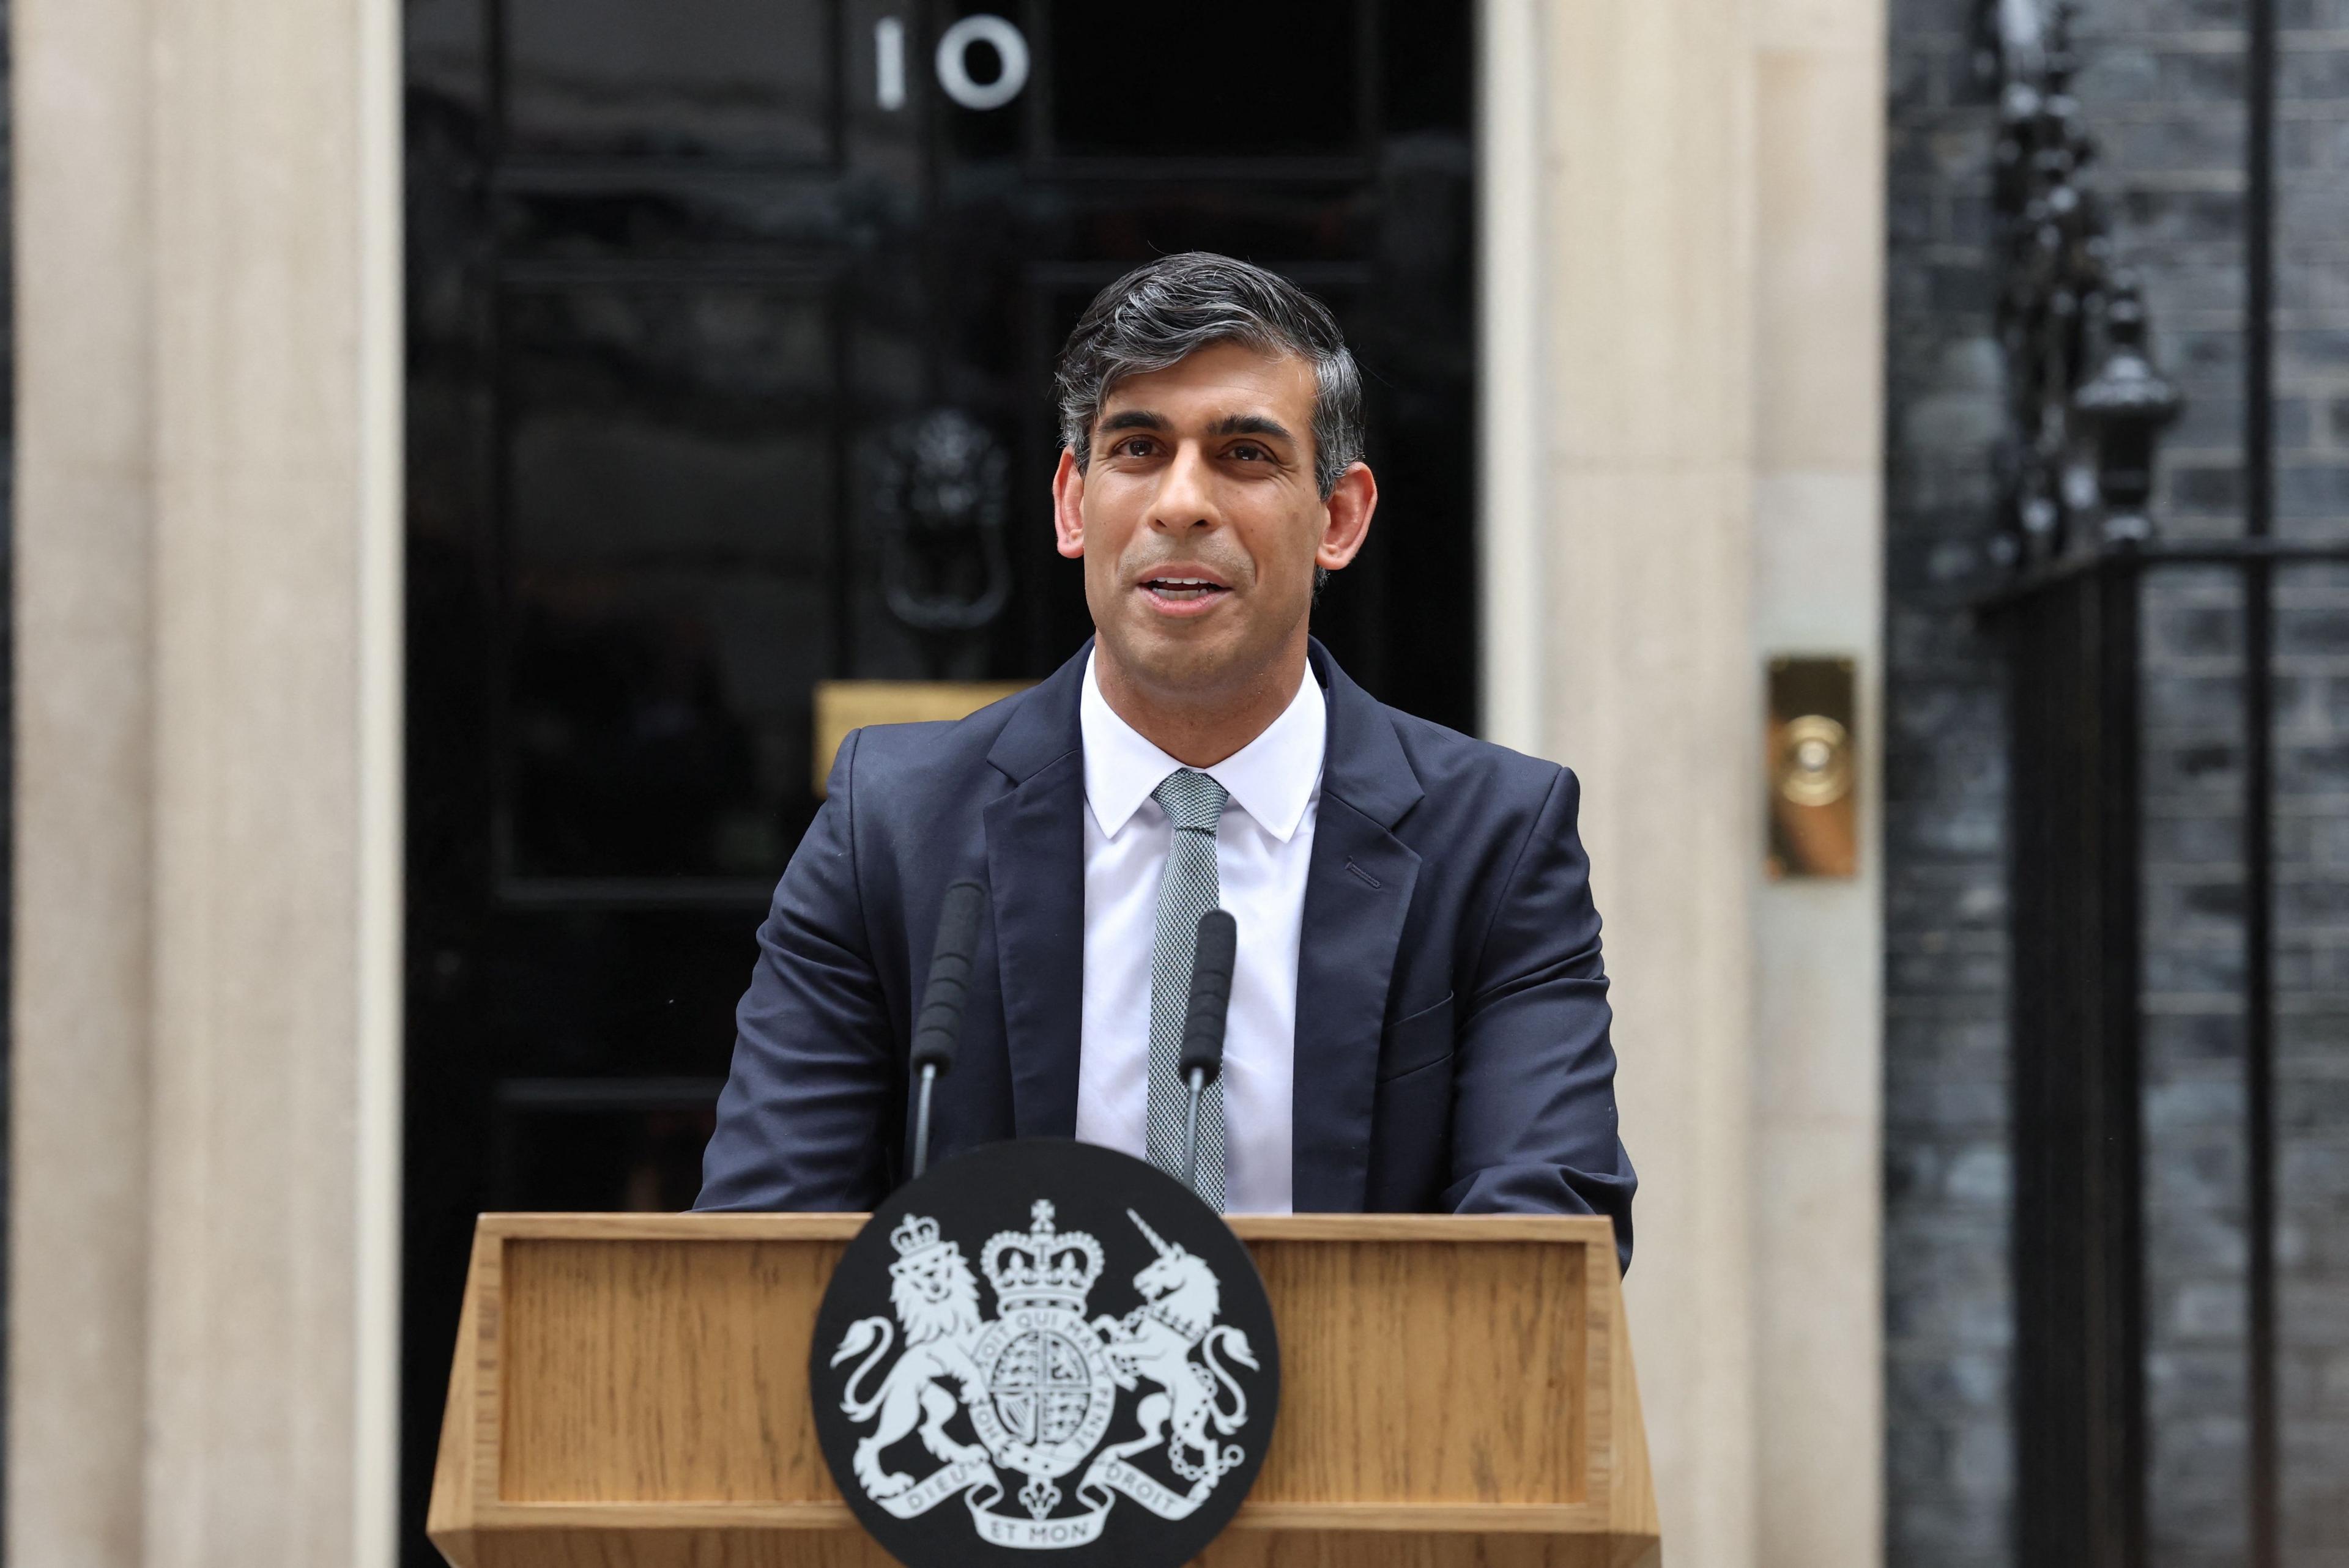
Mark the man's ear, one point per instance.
(1348, 519)
(1069, 506)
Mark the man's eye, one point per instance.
(1133, 446)
(1251, 452)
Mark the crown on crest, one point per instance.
(915, 1237)
(1043, 1266)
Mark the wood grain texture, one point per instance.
(840, 1228)
(1632, 1488)
(1427, 1372)
(630, 1391)
(454, 1483)
(1333, 1549)
(1578, 1230)
(575, 1547)
(580, 1546)
(662, 1372)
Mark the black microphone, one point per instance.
(938, 1030)
(1202, 1061)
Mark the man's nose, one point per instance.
(1185, 496)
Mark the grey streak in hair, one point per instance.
(1162, 312)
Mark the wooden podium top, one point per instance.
(632, 1391)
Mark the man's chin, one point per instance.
(1181, 658)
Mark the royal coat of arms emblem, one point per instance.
(1044, 1416)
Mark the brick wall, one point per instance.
(1949, 1307)
(2311, 705)
(2163, 88)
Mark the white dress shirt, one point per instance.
(1264, 845)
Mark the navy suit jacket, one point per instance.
(1452, 1017)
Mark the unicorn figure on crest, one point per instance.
(1153, 1343)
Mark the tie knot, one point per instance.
(1192, 800)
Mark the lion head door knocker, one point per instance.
(939, 494)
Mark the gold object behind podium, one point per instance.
(632, 1392)
(843, 705)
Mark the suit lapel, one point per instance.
(1357, 889)
(1036, 877)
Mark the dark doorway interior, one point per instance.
(697, 288)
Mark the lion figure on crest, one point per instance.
(936, 1299)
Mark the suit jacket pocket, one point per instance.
(1419, 1040)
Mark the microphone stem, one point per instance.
(1191, 1130)
(922, 1120)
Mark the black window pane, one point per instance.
(670, 463)
(660, 723)
(599, 1145)
(1208, 80)
(1428, 70)
(667, 424)
(726, 78)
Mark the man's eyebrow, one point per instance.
(1230, 425)
(1250, 425)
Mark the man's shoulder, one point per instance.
(1488, 821)
(905, 761)
(1482, 778)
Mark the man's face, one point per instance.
(1199, 522)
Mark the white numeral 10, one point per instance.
(952, 62)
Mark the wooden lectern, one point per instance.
(632, 1392)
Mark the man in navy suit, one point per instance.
(1419, 1016)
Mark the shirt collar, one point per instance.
(1274, 777)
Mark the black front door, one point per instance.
(730, 330)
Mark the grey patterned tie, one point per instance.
(1186, 890)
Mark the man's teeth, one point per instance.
(1183, 587)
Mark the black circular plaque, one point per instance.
(1045, 1347)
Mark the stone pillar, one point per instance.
(1818, 545)
(78, 1177)
(204, 1216)
(1699, 186)
(1651, 683)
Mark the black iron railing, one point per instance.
(2076, 550)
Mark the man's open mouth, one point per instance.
(1180, 589)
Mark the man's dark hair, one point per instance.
(1159, 312)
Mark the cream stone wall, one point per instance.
(1650, 690)
(204, 1201)
(1818, 546)
(1682, 359)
